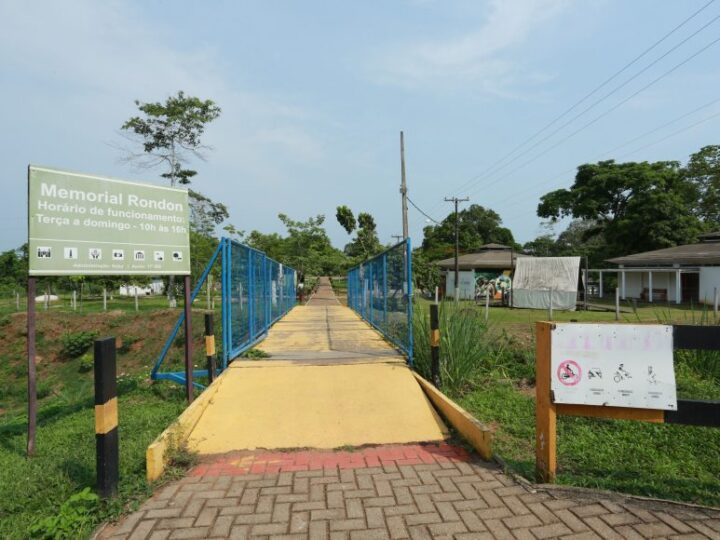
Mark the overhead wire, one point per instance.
(653, 143)
(604, 114)
(588, 95)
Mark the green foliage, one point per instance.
(581, 238)
(75, 515)
(87, 363)
(255, 353)
(476, 226)
(635, 206)
(205, 214)
(179, 456)
(346, 218)
(366, 242)
(426, 275)
(703, 172)
(169, 131)
(75, 344)
(13, 269)
(307, 247)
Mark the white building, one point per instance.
(156, 286)
(689, 273)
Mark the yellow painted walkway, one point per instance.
(331, 381)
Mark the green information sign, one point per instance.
(82, 224)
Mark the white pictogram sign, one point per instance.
(616, 365)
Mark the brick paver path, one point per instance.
(412, 491)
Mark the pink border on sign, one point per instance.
(578, 375)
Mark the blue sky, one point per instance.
(314, 95)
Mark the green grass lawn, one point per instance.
(490, 371)
(35, 488)
(656, 460)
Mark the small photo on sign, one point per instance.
(177, 256)
(118, 255)
(95, 254)
(159, 256)
(71, 253)
(139, 255)
(44, 252)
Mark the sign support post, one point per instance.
(188, 342)
(32, 371)
(545, 413)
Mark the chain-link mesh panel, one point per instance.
(259, 291)
(380, 291)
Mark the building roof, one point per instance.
(490, 256)
(704, 253)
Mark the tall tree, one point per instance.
(170, 134)
(703, 171)
(634, 206)
(476, 225)
(366, 242)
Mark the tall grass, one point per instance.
(470, 349)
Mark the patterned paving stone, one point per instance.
(391, 492)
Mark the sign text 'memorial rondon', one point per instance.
(83, 224)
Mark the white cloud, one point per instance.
(477, 57)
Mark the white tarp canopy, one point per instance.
(537, 279)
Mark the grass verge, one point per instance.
(490, 372)
(36, 488)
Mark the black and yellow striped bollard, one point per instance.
(435, 345)
(210, 346)
(106, 418)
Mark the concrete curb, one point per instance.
(477, 434)
(178, 432)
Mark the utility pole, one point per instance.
(457, 244)
(397, 237)
(403, 187)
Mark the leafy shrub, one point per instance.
(87, 363)
(76, 344)
(75, 515)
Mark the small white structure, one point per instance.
(156, 286)
(688, 273)
(466, 280)
(540, 282)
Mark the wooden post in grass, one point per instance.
(487, 306)
(136, 299)
(545, 413)
(32, 370)
(106, 418)
(17, 301)
(435, 345)
(617, 304)
(104, 298)
(210, 346)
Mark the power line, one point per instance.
(590, 94)
(658, 141)
(422, 212)
(610, 110)
(597, 102)
(630, 141)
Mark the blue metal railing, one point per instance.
(380, 291)
(256, 292)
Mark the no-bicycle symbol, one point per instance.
(569, 372)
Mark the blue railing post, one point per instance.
(385, 291)
(411, 338)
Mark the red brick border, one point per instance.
(260, 462)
